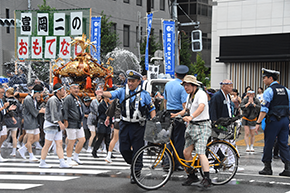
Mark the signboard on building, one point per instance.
(46, 35)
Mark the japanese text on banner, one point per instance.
(96, 37)
(149, 25)
(169, 46)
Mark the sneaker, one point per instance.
(108, 159)
(33, 159)
(38, 146)
(13, 154)
(72, 163)
(83, 150)
(22, 152)
(44, 165)
(205, 183)
(248, 149)
(191, 179)
(89, 150)
(18, 145)
(78, 161)
(252, 149)
(2, 159)
(64, 165)
(240, 169)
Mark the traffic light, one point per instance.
(196, 40)
(6, 22)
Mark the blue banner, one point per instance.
(96, 37)
(169, 46)
(149, 25)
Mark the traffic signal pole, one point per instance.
(175, 19)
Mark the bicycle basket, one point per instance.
(158, 130)
(230, 131)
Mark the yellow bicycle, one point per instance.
(153, 164)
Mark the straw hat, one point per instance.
(190, 79)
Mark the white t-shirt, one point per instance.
(260, 97)
(200, 98)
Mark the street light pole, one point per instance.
(174, 17)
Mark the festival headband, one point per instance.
(225, 83)
(73, 85)
(58, 89)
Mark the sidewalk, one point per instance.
(259, 139)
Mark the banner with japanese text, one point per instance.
(149, 25)
(96, 37)
(47, 35)
(169, 46)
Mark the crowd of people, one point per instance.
(46, 119)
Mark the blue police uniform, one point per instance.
(176, 95)
(276, 105)
(132, 125)
(277, 122)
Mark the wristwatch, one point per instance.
(258, 123)
(192, 116)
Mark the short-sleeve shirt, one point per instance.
(175, 95)
(199, 98)
(145, 98)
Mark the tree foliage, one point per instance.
(45, 7)
(200, 70)
(185, 53)
(153, 47)
(109, 37)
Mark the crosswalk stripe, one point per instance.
(107, 167)
(17, 186)
(51, 170)
(55, 160)
(36, 177)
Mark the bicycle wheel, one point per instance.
(223, 161)
(149, 169)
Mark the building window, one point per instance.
(202, 9)
(162, 5)
(7, 16)
(126, 35)
(139, 2)
(152, 4)
(193, 8)
(141, 35)
(160, 37)
(126, 1)
(184, 8)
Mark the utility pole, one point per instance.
(139, 34)
(174, 17)
(148, 11)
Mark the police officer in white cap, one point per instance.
(275, 107)
(135, 103)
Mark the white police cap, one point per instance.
(131, 74)
(267, 72)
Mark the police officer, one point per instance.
(174, 102)
(275, 107)
(134, 103)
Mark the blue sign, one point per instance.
(149, 25)
(96, 37)
(169, 46)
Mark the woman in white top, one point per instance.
(260, 94)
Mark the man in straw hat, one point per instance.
(275, 107)
(198, 130)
